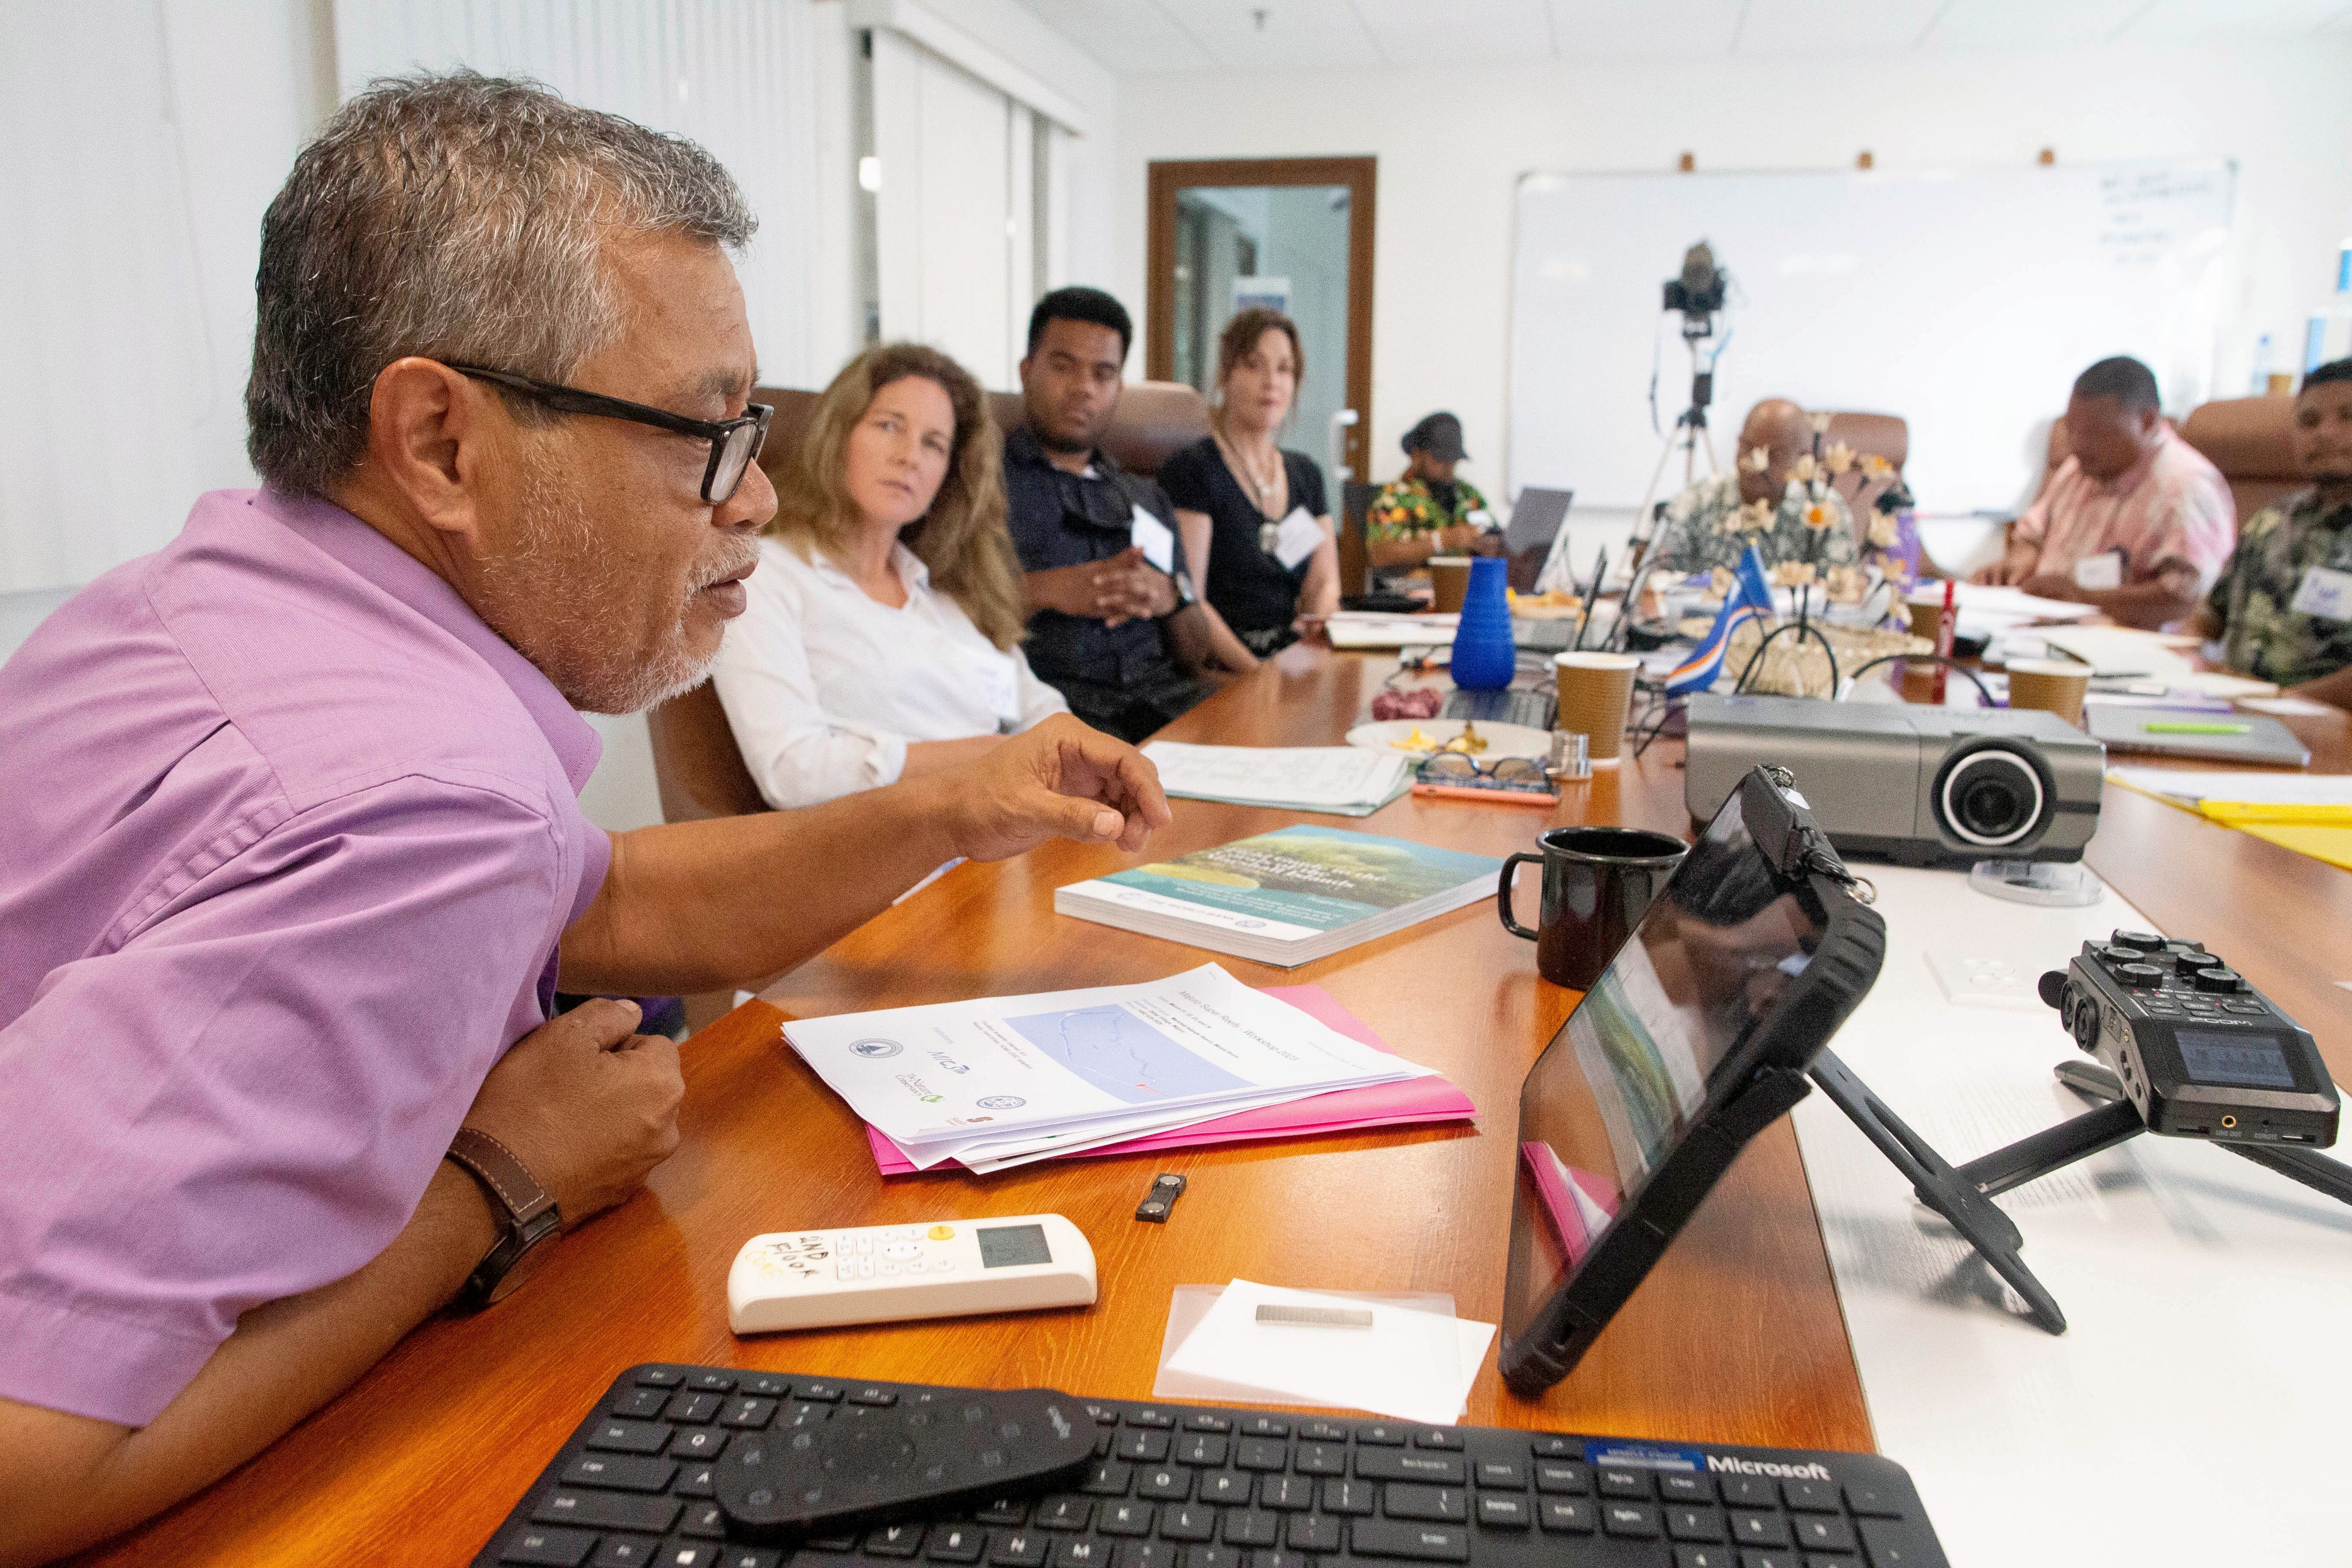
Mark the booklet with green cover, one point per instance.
(1286, 897)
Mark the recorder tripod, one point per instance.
(1964, 1193)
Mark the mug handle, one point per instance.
(1503, 895)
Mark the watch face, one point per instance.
(537, 1246)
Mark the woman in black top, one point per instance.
(1257, 529)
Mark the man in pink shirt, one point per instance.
(2135, 520)
(291, 858)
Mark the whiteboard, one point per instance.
(1966, 301)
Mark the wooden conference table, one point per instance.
(1737, 1337)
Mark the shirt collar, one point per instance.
(1023, 446)
(912, 572)
(2133, 477)
(355, 545)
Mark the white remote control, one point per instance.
(889, 1273)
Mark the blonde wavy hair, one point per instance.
(962, 539)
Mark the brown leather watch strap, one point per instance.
(505, 1177)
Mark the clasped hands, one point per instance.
(1124, 587)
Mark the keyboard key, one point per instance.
(1167, 1485)
(1883, 1502)
(1322, 1459)
(638, 1403)
(1823, 1532)
(1247, 1527)
(1819, 1496)
(1312, 1532)
(1264, 1426)
(1144, 1448)
(748, 1414)
(1408, 1502)
(1262, 1454)
(617, 1473)
(1626, 1483)
(831, 1543)
(1695, 1524)
(1750, 1491)
(1323, 1432)
(703, 1519)
(1003, 1510)
(1781, 1560)
(697, 1443)
(1188, 1523)
(1150, 1554)
(1292, 1494)
(1421, 1543)
(1103, 1440)
(1205, 1422)
(766, 1386)
(624, 1552)
(1216, 1557)
(1379, 1435)
(1896, 1543)
(1502, 1473)
(894, 1541)
(1685, 1488)
(749, 1557)
(565, 1548)
(1084, 1553)
(876, 1397)
(1348, 1497)
(712, 1382)
(1409, 1465)
(1752, 1528)
(1108, 1478)
(1063, 1513)
(1018, 1549)
(1633, 1519)
(608, 1510)
(1501, 1510)
(1552, 1447)
(1565, 1515)
(693, 1407)
(820, 1393)
(1227, 1486)
(1279, 1560)
(660, 1377)
(697, 1554)
(1703, 1557)
(1562, 1479)
(1437, 1437)
(629, 1437)
(955, 1543)
(803, 1413)
(1126, 1519)
(1152, 1416)
(1198, 1448)
(695, 1482)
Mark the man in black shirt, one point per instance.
(1112, 618)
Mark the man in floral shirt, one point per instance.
(2283, 605)
(1426, 510)
(1782, 499)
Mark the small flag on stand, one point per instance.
(1750, 598)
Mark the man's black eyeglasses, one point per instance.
(734, 442)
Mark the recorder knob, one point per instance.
(2142, 941)
(2140, 976)
(2086, 1022)
(2189, 963)
(2220, 980)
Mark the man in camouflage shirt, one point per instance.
(1427, 511)
(2283, 606)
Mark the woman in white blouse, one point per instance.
(882, 637)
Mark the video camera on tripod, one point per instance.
(1699, 293)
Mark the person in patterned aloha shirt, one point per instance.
(1767, 502)
(1425, 511)
(2282, 607)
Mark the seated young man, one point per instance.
(2135, 520)
(291, 857)
(2282, 607)
(1425, 510)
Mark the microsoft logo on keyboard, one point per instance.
(1812, 1472)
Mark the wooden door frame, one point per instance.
(1360, 175)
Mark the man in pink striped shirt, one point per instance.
(2135, 520)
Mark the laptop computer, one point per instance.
(1536, 519)
(2195, 732)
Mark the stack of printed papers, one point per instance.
(1344, 780)
(1003, 1081)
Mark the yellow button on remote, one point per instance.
(942, 1232)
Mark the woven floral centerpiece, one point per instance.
(1817, 537)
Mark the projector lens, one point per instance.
(1991, 798)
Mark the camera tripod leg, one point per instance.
(2054, 1148)
(1942, 1188)
(2332, 1179)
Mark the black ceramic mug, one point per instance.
(1596, 883)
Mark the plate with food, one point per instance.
(1418, 737)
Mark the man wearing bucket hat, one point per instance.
(1427, 511)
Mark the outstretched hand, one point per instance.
(1059, 780)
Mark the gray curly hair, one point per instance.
(460, 217)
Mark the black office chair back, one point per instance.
(1355, 552)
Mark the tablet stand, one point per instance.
(1964, 1193)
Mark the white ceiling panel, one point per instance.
(1823, 27)
(2033, 24)
(1280, 35)
(1127, 36)
(1418, 32)
(2198, 21)
(1627, 29)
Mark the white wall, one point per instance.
(1451, 144)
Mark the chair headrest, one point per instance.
(2245, 437)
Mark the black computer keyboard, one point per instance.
(1512, 705)
(1178, 1486)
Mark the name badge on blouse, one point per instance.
(2097, 572)
(1155, 539)
(999, 684)
(2325, 592)
(1295, 537)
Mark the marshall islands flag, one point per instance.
(1749, 598)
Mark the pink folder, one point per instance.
(1410, 1100)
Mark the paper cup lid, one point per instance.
(1596, 661)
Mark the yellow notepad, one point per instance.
(2323, 832)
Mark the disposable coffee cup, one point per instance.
(1595, 691)
(1449, 578)
(2054, 685)
(1927, 616)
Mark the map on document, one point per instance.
(1123, 1056)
